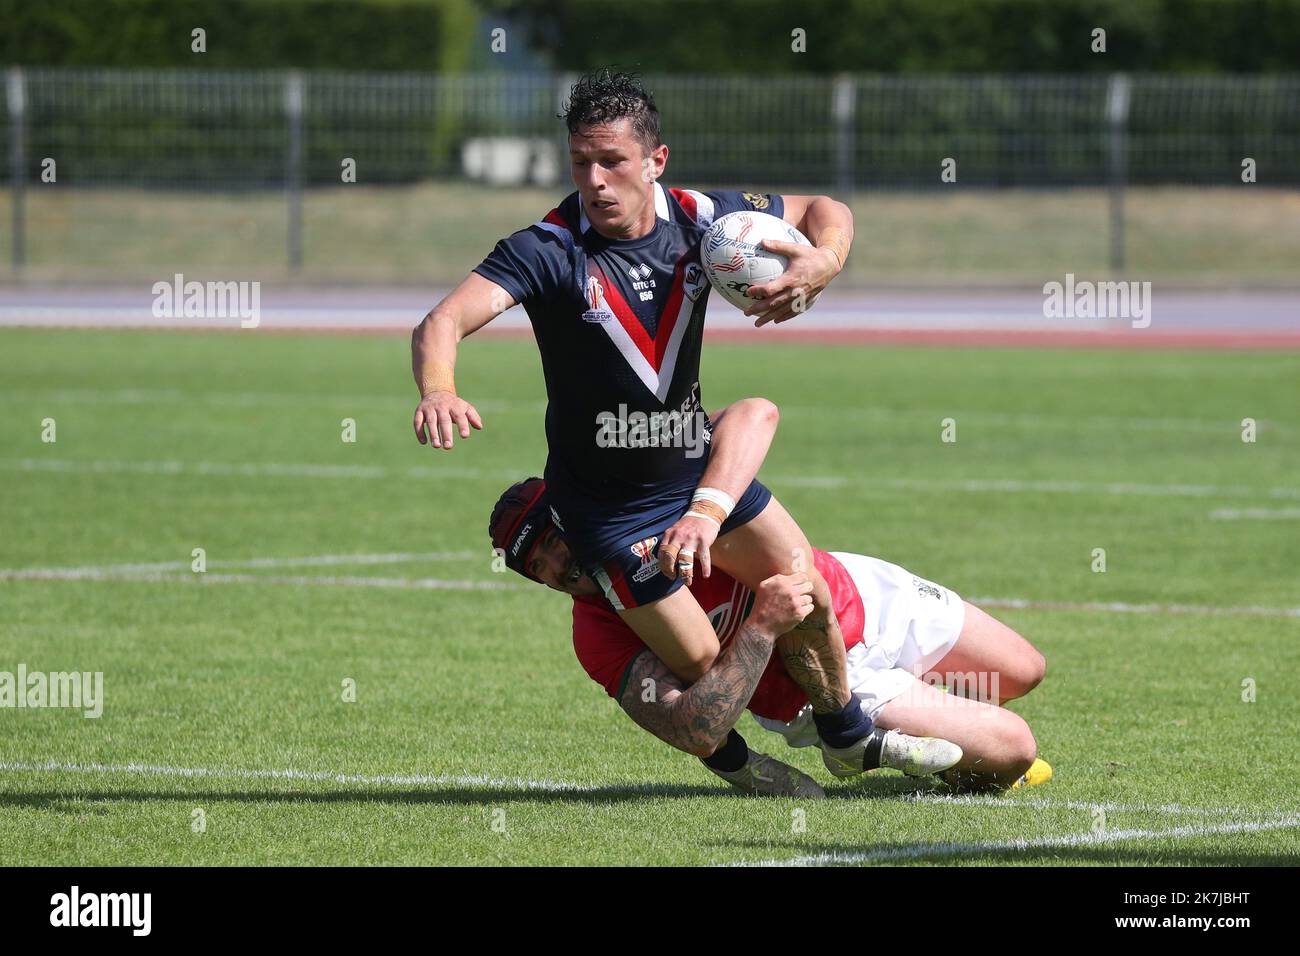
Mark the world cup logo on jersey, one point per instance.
(645, 549)
(597, 311)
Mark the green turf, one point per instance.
(1137, 711)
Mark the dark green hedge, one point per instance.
(425, 35)
(664, 36)
(915, 36)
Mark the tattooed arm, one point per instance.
(697, 718)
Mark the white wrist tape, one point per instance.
(701, 514)
(717, 496)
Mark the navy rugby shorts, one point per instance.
(630, 576)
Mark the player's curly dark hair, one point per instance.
(605, 96)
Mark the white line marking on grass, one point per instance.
(246, 469)
(1019, 486)
(209, 578)
(155, 574)
(234, 773)
(144, 396)
(323, 776)
(449, 584)
(308, 470)
(1255, 514)
(1109, 423)
(419, 584)
(329, 776)
(171, 396)
(912, 851)
(250, 469)
(318, 560)
(1120, 607)
(1043, 803)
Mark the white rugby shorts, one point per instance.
(909, 625)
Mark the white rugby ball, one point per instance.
(733, 259)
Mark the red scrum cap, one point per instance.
(519, 521)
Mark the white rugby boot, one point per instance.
(767, 776)
(914, 756)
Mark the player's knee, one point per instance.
(1004, 744)
(767, 411)
(1026, 674)
(695, 667)
(1017, 745)
(1036, 669)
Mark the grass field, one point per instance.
(475, 737)
(434, 233)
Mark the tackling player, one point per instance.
(902, 636)
(612, 284)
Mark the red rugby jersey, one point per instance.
(606, 646)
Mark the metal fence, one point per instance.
(223, 130)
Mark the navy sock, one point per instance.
(843, 727)
(731, 756)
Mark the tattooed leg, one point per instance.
(813, 653)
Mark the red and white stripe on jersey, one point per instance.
(697, 205)
(617, 593)
(726, 617)
(556, 225)
(653, 360)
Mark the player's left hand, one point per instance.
(810, 270)
(685, 547)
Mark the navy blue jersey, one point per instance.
(619, 324)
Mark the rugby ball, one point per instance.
(733, 259)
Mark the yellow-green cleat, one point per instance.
(1040, 771)
(963, 781)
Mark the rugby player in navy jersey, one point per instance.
(612, 284)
